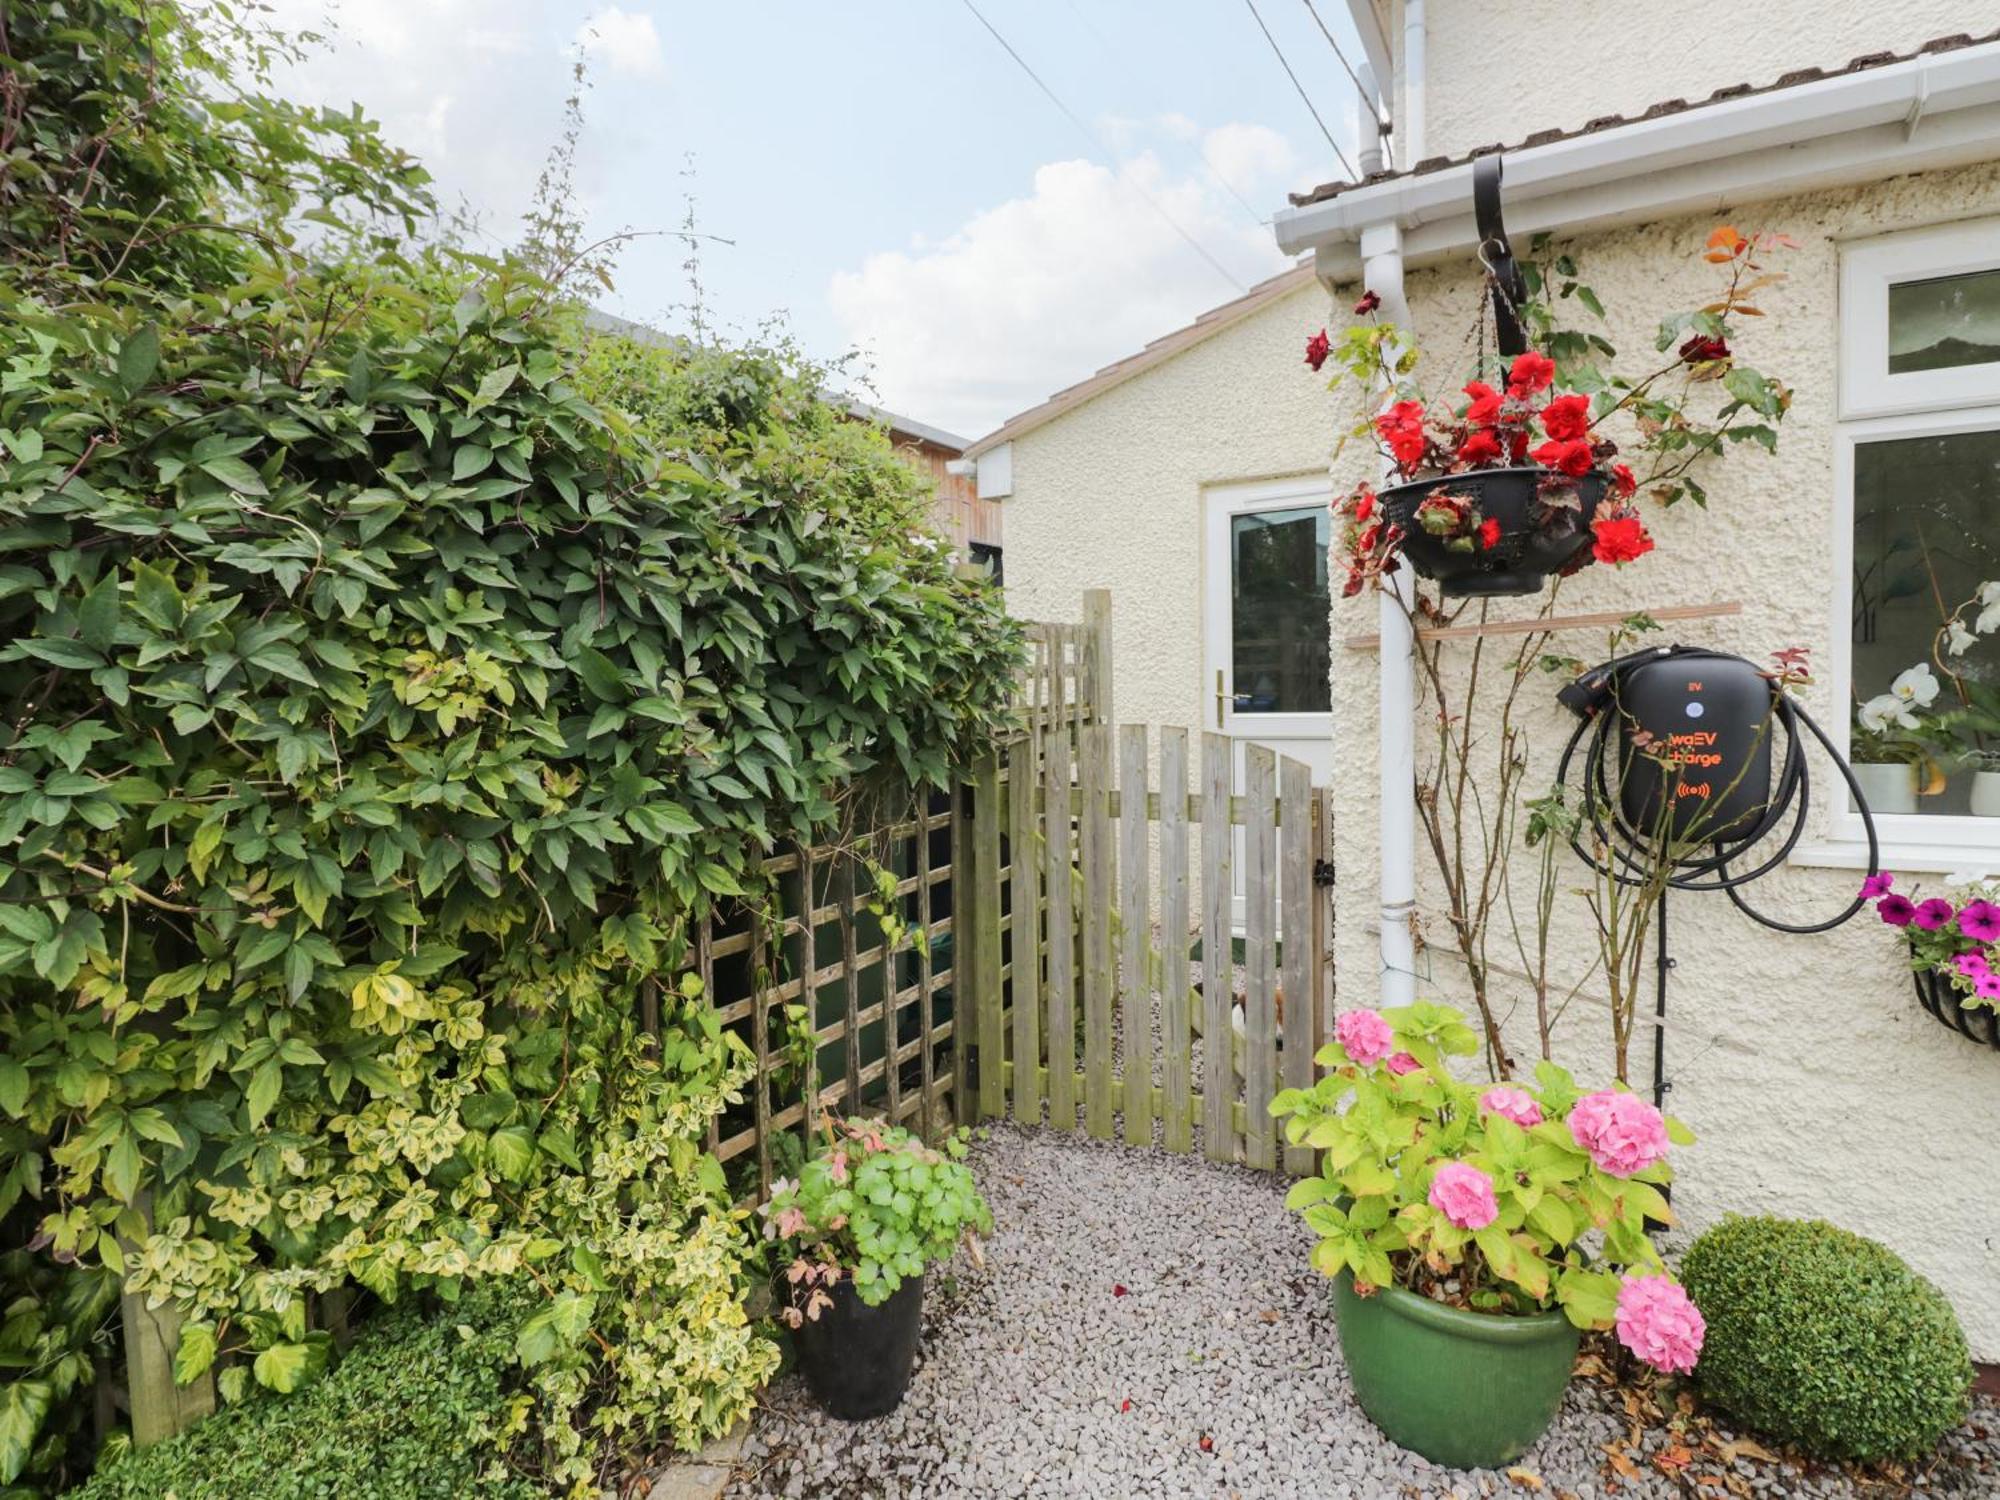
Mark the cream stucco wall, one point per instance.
(1815, 1084)
(1109, 495)
(1501, 69)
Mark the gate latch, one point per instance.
(1323, 873)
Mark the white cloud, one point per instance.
(1038, 292)
(624, 41)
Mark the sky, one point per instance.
(877, 177)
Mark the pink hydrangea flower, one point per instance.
(1980, 921)
(1660, 1323)
(1464, 1195)
(1513, 1104)
(1622, 1132)
(1897, 911)
(1402, 1062)
(1877, 886)
(1365, 1035)
(1934, 913)
(1972, 965)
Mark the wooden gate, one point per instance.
(1098, 957)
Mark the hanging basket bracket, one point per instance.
(1509, 286)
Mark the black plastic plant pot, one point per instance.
(1527, 551)
(858, 1358)
(1937, 994)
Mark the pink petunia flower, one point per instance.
(1464, 1195)
(1980, 921)
(1971, 965)
(1934, 913)
(1513, 1104)
(1660, 1323)
(1402, 1063)
(1365, 1035)
(1622, 1132)
(1877, 885)
(1987, 986)
(1897, 911)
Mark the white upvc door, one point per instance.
(1266, 611)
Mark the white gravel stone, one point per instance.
(1224, 1333)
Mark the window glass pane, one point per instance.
(1944, 322)
(1926, 538)
(1280, 610)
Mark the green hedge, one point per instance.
(403, 1417)
(1824, 1339)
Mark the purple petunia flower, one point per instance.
(1897, 911)
(1934, 913)
(1972, 965)
(1987, 986)
(1877, 886)
(1980, 921)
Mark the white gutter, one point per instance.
(1930, 112)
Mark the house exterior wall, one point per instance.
(1499, 72)
(1109, 495)
(1816, 1085)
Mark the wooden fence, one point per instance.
(1089, 981)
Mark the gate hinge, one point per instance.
(1322, 872)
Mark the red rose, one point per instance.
(1480, 447)
(1529, 373)
(1368, 303)
(1572, 458)
(1485, 408)
(1318, 347)
(1701, 348)
(1622, 482)
(1402, 430)
(1621, 537)
(1489, 534)
(1566, 418)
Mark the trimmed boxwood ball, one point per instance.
(1827, 1340)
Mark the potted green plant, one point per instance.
(870, 1212)
(1473, 1230)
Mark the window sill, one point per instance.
(1917, 856)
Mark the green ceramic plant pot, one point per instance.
(1468, 1390)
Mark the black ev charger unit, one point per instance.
(1693, 770)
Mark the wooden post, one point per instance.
(963, 927)
(760, 1044)
(152, 1334)
(1024, 861)
(1176, 1029)
(1097, 655)
(1099, 899)
(1260, 1033)
(808, 962)
(1062, 930)
(850, 978)
(1298, 1026)
(1135, 988)
(991, 1027)
(1217, 972)
(927, 1065)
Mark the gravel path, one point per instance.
(1215, 1372)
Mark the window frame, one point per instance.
(1909, 841)
(1868, 269)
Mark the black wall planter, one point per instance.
(1936, 994)
(1526, 554)
(858, 1358)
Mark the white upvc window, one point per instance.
(1916, 534)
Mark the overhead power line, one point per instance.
(1098, 143)
(1303, 95)
(1359, 87)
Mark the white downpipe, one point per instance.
(1368, 123)
(1410, 131)
(1382, 262)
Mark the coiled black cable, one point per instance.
(1790, 798)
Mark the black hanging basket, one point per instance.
(1526, 553)
(1937, 994)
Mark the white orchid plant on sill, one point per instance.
(1902, 725)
